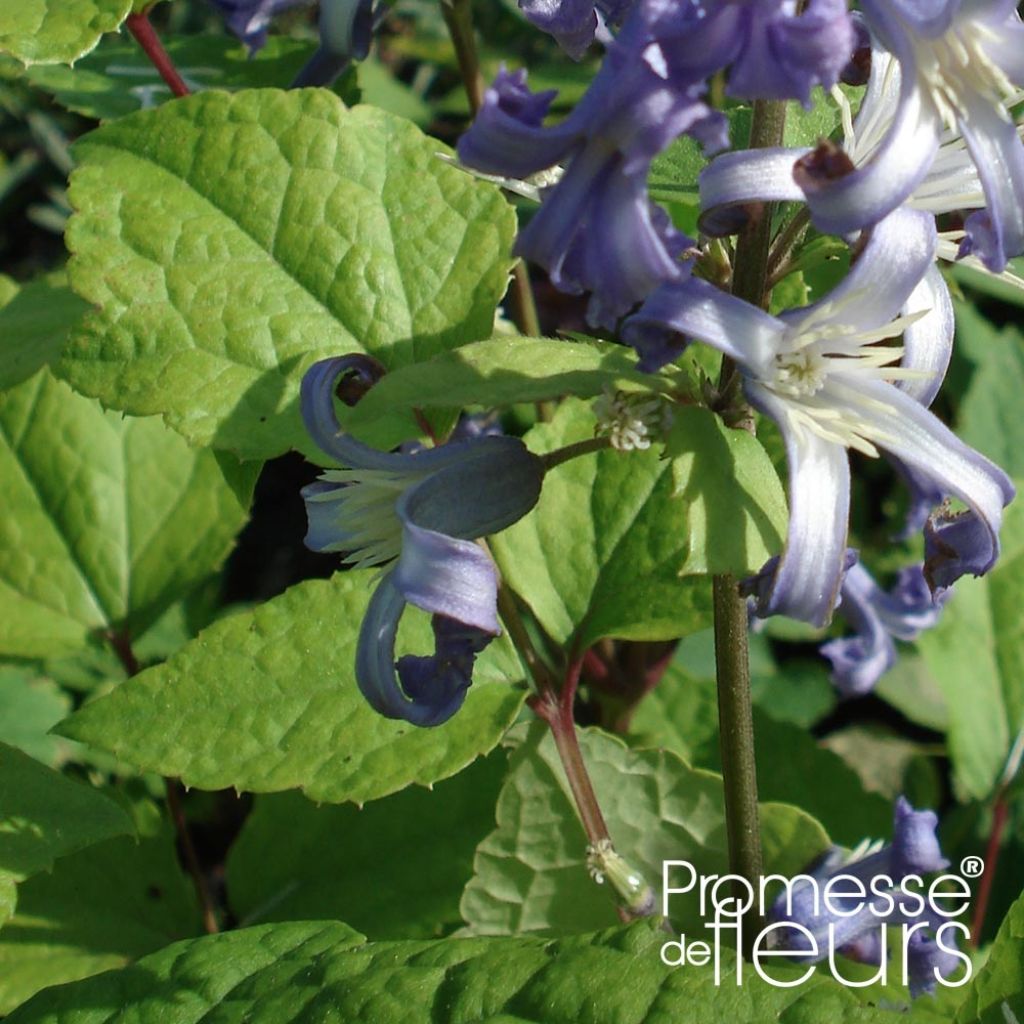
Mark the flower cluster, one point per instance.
(856, 370)
(853, 918)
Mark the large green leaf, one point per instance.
(57, 31)
(615, 543)
(296, 861)
(29, 705)
(34, 327)
(46, 816)
(976, 654)
(1001, 981)
(301, 973)
(100, 908)
(601, 554)
(681, 715)
(108, 520)
(229, 240)
(266, 700)
(735, 507)
(502, 371)
(530, 873)
(989, 416)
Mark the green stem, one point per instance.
(458, 17)
(732, 658)
(574, 451)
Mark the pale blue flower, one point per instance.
(418, 514)
(821, 373)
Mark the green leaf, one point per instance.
(736, 509)
(394, 869)
(34, 327)
(99, 909)
(311, 972)
(266, 700)
(681, 715)
(990, 417)
(29, 705)
(601, 554)
(530, 873)
(46, 816)
(229, 240)
(976, 655)
(500, 372)
(117, 78)
(109, 520)
(57, 31)
(1001, 980)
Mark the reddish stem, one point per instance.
(146, 37)
(556, 710)
(122, 645)
(995, 841)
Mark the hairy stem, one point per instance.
(122, 645)
(574, 451)
(732, 658)
(557, 711)
(146, 37)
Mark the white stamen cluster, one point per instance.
(368, 525)
(820, 352)
(956, 65)
(631, 421)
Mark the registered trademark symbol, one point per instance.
(972, 867)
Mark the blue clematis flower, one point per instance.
(346, 30)
(878, 617)
(854, 923)
(961, 66)
(596, 230)
(951, 182)
(419, 514)
(822, 375)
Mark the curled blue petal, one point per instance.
(573, 23)
(915, 846)
(927, 960)
(423, 691)
(784, 55)
(858, 662)
(959, 544)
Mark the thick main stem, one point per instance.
(146, 37)
(732, 658)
